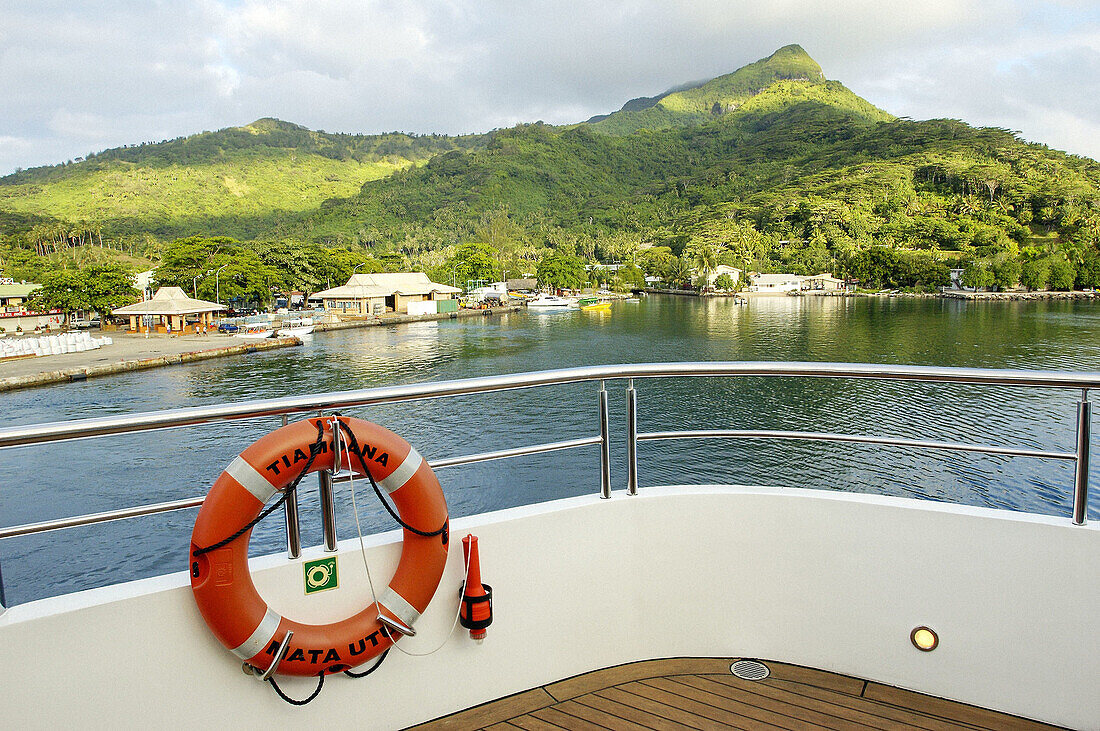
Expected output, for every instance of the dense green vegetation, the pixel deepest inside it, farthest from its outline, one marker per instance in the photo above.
(771, 168)
(237, 181)
(98, 287)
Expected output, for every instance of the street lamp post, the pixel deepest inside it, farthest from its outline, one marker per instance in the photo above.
(195, 285)
(218, 285)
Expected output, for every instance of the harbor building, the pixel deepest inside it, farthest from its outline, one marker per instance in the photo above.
(170, 310)
(822, 283)
(734, 272)
(409, 293)
(14, 315)
(775, 283)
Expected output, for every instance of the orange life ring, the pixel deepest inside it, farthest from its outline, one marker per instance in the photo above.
(223, 587)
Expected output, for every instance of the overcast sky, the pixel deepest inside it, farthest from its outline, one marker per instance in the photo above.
(80, 76)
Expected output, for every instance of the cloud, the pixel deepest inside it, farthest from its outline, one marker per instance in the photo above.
(97, 74)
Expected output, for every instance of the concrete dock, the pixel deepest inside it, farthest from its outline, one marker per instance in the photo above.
(135, 352)
(129, 352)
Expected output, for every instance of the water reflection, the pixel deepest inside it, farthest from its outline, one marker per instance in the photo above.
(88, 476)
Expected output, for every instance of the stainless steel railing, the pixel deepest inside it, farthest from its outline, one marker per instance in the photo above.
(20, 436)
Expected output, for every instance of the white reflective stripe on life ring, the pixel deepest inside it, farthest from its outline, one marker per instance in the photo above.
(405, 471)
(261, 636)
(250, 479)
(396, 605)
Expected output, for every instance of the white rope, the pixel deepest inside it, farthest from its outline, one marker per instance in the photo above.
(458, 613)
(370, 581)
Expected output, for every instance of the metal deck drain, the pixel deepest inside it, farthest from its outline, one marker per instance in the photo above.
(750, 670)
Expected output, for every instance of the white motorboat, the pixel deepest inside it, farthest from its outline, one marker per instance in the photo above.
(296, 327)
(553, 302)
(255, 331)
(699, 605)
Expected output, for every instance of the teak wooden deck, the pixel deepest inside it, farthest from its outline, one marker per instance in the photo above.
(700, 693)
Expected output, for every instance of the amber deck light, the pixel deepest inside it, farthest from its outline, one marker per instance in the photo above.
(924, 639)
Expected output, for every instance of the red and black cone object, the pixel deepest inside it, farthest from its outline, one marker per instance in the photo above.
(477, 598)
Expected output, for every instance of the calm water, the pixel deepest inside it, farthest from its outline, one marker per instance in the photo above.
(88, 476)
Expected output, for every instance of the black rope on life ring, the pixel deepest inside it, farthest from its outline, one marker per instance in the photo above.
(353, 446)
(372, 668)
(314, 450)
(291, 701)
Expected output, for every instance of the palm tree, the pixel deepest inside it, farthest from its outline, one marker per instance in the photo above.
(704, 256)
(679, 272)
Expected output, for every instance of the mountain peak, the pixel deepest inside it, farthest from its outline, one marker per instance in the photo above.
(698, 102)
(271, 124)
(795, 57)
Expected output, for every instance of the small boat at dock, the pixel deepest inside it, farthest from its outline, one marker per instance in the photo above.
(595, 304)
(296, 327)
(552, 302)
(254, 331)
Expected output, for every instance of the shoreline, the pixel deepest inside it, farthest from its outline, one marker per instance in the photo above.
(152, 357)
(950, 294)
(137, 352)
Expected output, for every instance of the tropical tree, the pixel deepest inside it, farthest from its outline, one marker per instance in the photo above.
(338, 265)
(1006, 273)
(108, 285)
(656, 260)
(560, 269)
(724, 283)
(1062, 274)
(62, 289)
(1035, 273)
(704, 256)
(977, 275)
(101, 287)
(678, 272)
(630, 277)
(471, 262)
(1088, 271)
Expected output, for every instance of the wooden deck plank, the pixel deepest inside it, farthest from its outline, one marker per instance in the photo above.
(815, 718)
(490, 713)
(810, 676)
(608, 677)
(695, 707)
(719, 700)
(698, 694)
(565, 720)
(840, 705)
(973, 715)
(642, 703)
(905, 717)
(630, 713)
(530, 723)
(600, 717)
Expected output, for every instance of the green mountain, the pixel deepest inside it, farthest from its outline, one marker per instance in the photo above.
(787, 76)
(772, 168)
(239, 180)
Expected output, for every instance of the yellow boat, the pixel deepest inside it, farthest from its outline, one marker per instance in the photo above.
(597, 307)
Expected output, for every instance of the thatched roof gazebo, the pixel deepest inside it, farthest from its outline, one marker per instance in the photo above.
(172, 306)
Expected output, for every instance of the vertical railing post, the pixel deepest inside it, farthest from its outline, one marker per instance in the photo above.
(605, 446)
(1081, 474)
(328, 508)
(631, 439)
(293, 530)
(3, 601)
